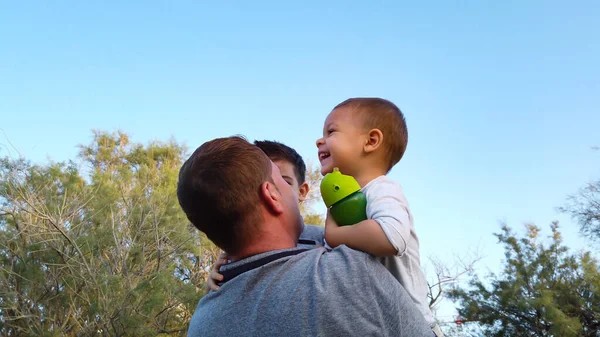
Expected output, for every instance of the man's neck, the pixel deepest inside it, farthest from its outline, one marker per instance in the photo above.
(267, 241)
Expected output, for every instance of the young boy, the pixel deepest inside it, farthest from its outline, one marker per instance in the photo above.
(365, 138)
(293, 171)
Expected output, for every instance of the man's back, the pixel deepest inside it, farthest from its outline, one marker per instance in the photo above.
(312, 293)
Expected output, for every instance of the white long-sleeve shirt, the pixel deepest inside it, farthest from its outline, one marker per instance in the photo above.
(387, 205)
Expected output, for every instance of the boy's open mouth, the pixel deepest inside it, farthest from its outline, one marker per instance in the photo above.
(323, 155)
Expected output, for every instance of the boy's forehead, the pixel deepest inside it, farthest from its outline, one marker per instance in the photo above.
(284, 166)
(342, 115)
(282, 163)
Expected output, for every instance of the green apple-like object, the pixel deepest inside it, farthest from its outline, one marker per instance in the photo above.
(341, 194)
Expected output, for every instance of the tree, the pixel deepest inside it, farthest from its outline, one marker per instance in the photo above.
(101, 248)
(447, 275)
(544, 290)
(584, 207)
(313, 178)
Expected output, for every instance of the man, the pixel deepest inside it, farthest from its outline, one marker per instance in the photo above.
(293, 171)
(230, 190)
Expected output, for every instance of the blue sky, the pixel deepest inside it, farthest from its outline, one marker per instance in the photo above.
(502, 99)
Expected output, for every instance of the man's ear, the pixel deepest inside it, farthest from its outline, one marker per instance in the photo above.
(373, 141)
(303, 191)
(271, 197)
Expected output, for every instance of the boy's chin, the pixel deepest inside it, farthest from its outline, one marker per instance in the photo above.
(325, 170)
(328, 165)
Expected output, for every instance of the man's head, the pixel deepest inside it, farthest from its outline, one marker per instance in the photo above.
(290, 163)
(231, 191)
(361, 128)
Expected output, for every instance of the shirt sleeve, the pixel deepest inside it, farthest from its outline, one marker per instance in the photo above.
(387, 205)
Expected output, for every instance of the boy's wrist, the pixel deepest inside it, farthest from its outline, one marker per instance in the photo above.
(338, 235)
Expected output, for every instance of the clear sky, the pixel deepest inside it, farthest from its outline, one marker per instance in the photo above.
(502, 99)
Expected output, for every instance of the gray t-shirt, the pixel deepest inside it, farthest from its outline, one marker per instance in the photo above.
(316, 292)
(311, 237)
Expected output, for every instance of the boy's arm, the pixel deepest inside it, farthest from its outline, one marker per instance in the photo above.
(366, 236)
(388, 229)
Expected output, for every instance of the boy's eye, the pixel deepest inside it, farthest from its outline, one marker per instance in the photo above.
(289, 182)
(330, 131)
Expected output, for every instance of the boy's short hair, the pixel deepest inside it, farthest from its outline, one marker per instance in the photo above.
(379, 113)
(219, 190)
(279, 151)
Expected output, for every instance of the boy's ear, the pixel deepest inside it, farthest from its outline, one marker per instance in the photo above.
(271, 197)
(303, 191)
(373, 141)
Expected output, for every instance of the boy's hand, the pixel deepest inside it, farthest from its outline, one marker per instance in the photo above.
(330, 222)
(214, 277)
(331, 228)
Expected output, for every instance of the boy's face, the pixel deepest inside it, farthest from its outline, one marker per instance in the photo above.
(288, 173)
(342, 143)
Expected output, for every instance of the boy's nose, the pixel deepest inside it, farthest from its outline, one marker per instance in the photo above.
(320, 142)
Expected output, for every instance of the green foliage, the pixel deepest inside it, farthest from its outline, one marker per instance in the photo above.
(101, 247)
(544, 290)
(313, 178)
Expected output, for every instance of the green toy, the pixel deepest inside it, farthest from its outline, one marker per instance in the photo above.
(341, 194)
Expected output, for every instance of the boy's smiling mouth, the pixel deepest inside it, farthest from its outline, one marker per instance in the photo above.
(323, 155)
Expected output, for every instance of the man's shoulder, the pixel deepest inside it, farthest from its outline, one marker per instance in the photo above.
(344, 283)
(311, 236)
(354, 261)
(328, 261)
(313, 229)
